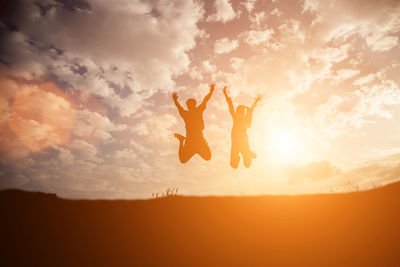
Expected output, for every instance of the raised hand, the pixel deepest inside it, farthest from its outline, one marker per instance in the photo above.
(258, 98)
(175, 95)
(229, 101)
(212, 87)
(224, 90)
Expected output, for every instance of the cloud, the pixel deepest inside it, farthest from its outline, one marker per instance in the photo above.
(208, 67)
(223, 11)
(11, 148)
(249, 5)
(316, 170)
(147, 42)
(345, 74)
(367, 78)
(292, 31)
(350, 113)
(378, 42)
(276, 12)
(376, 173)
(195, 73)
(42, 116)
(92, 125)
(236, 63)
(257, 37)
(257, 19)
(225, 45)
(84, 150)
(157, 127)
(375, 21)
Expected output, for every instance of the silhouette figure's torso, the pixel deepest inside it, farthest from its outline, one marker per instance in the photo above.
(239, 128)
(194, 122)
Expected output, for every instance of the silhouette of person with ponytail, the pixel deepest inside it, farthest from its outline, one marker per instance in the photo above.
(239, 139)
(194, 142)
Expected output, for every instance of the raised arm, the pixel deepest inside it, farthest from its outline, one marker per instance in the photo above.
(258, 98)
(249, 113)
(207, 97)
(180, 109)
(230, 104)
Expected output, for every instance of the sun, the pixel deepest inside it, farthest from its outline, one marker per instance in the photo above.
(284, 145)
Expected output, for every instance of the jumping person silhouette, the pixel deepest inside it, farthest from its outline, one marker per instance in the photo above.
(241, 122)
(194, 142)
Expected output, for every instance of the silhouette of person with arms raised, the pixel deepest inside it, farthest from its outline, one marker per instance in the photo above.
(194, 142)
(241, 122)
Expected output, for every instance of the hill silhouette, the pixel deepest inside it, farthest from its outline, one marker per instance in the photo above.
(352, 229)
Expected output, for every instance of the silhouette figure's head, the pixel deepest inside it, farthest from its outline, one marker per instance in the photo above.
(191, 104)
(240, 110)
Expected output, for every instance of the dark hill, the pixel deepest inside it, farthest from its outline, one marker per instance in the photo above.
(354, 229)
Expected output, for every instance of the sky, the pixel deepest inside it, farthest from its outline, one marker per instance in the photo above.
(86, 108)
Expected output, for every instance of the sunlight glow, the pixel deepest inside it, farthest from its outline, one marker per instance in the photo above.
(284, 145)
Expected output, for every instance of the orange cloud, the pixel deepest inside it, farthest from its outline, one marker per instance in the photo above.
(42, 116)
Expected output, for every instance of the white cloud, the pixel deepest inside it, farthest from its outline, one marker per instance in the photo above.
(257, 19)
(258, 37)
(376, 98)
(375, 21)
(276, 12)
(367, 79)
(357, 108)
(208, 67)
(249, 5)
(378, 42)
(85, 150)
(92, 125)
(225, 45)
(345, 74)
(195, 73)
(157, 127)
(236, 63)
(223, 11)
(311, 5)
(292, 31)
(331, 55)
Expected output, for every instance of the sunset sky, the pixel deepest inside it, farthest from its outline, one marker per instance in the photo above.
(86, 108)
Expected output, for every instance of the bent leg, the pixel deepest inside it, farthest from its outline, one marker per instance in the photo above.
(247, 154)
(235, 158)
(185, 154)
(247, 160)
(205, 151)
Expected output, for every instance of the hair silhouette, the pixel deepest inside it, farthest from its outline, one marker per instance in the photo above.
(242, 118)
(194, 142)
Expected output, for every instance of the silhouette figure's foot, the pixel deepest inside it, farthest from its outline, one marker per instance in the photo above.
(179, 137)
